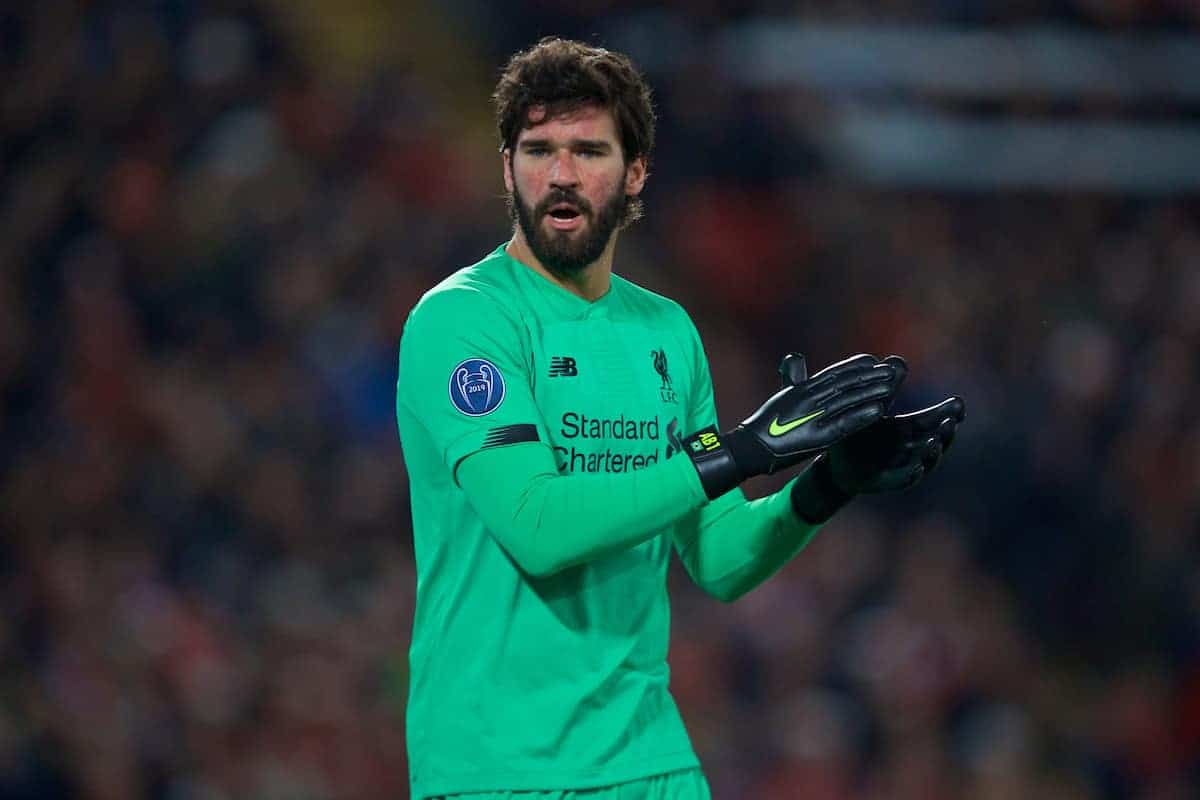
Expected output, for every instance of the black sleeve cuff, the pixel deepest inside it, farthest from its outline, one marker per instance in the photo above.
(815, 497)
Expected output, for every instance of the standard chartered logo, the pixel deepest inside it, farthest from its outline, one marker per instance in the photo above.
(581, 426)
(606, 444)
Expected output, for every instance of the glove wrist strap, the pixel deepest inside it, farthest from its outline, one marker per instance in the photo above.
(714, 462)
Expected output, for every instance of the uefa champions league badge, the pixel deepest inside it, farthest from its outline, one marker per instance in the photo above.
(476, 387)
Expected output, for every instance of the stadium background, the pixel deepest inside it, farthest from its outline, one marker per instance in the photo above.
(214, 218)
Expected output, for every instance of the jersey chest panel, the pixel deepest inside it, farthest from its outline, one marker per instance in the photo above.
(611, 394)
(608, 408)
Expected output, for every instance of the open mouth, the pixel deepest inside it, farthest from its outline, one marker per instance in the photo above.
(564, 212)
(564, 216)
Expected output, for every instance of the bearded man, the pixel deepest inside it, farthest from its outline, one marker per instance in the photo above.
(561, 440)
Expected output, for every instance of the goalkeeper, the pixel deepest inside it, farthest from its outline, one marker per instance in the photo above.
(560, 437)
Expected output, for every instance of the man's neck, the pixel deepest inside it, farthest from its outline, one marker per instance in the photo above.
(591, 283)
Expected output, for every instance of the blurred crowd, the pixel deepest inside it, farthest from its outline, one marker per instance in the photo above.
(214, 218)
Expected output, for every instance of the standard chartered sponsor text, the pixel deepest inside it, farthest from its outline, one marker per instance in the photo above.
(581, 426)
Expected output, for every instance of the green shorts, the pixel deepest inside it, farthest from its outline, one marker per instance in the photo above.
(688, 784)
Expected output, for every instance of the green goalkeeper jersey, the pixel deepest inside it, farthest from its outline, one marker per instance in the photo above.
(561, 681)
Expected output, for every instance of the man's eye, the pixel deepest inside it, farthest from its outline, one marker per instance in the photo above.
(590, 153)
(536, 151)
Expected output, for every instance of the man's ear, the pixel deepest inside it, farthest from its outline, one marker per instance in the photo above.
(635, 176)
(506, 156)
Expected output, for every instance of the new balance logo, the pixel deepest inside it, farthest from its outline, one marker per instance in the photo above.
(563, 367)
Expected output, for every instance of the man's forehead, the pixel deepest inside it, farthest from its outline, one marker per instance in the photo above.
(588, 121)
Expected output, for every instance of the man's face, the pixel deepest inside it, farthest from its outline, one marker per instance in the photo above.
(569, 180)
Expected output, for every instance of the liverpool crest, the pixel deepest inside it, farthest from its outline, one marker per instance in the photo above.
(666, 390)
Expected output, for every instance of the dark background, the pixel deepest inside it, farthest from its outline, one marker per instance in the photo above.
(215, 216)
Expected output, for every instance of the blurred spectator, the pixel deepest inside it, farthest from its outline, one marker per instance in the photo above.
(214, 219)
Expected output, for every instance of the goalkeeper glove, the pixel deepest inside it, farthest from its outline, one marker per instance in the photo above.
(895, 453)
(802, 419)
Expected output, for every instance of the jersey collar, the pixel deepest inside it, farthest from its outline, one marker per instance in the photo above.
(557, 300)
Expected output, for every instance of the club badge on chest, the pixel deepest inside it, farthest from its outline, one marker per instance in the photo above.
(667, 389)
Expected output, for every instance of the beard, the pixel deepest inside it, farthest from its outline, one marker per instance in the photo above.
(558, 252)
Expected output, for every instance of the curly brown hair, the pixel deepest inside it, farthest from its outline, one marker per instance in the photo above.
(563, 75)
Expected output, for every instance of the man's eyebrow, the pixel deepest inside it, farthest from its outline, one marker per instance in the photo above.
(592, 144)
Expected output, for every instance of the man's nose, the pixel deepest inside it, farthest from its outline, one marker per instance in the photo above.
(562, 172)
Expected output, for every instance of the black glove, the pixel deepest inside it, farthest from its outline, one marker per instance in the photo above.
(894, 453)
(802, 419)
